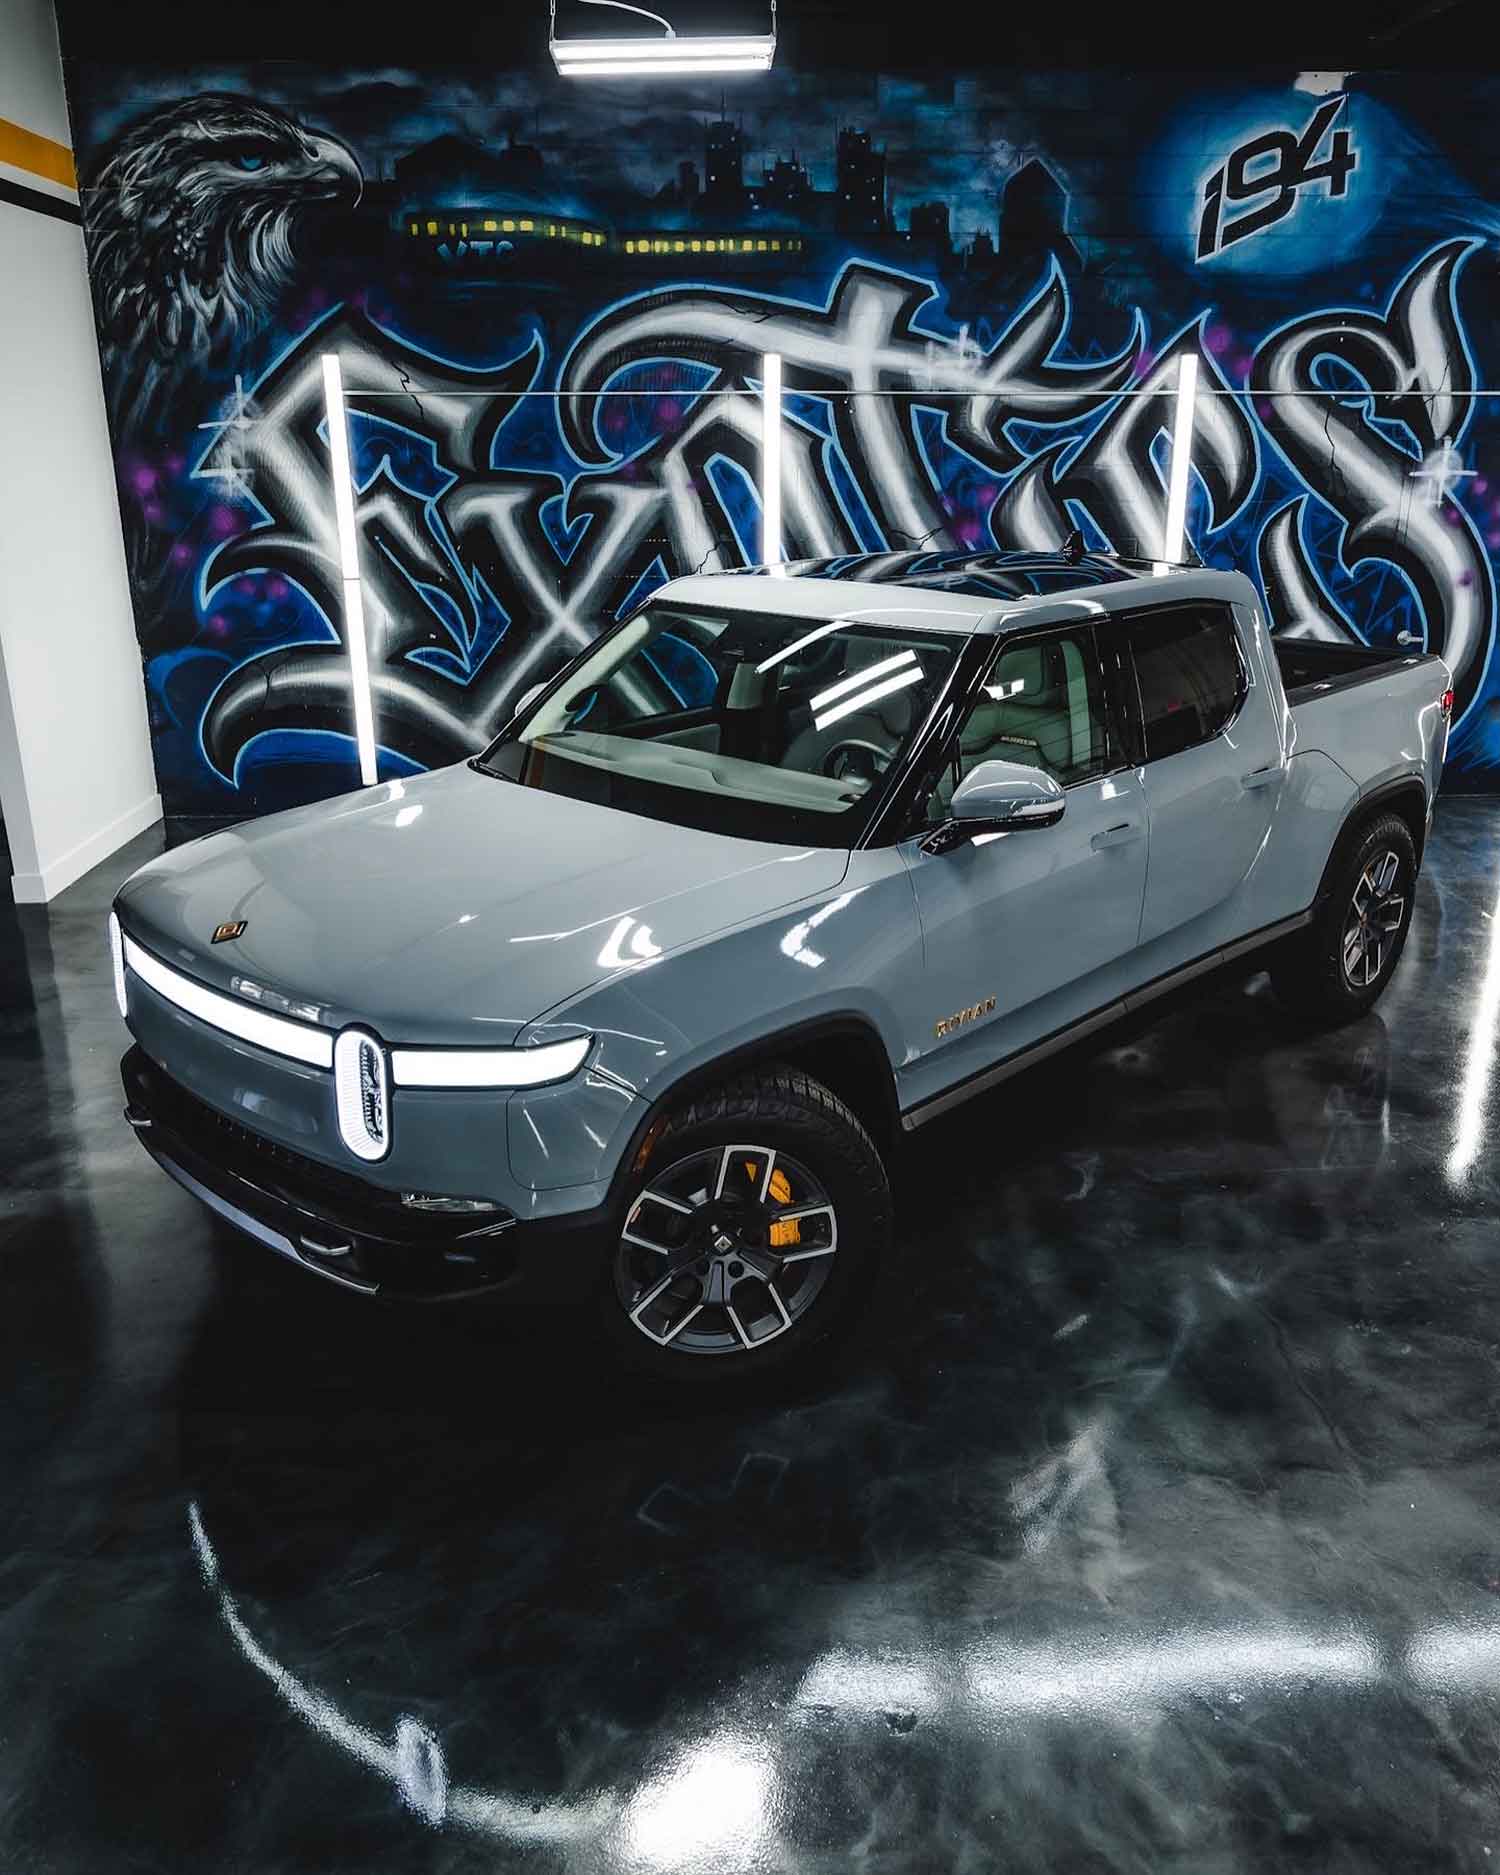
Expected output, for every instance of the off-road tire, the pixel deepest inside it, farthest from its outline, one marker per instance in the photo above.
(786, 1111)
(1310, 973)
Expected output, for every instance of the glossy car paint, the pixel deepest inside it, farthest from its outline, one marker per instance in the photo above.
(451, 909)
(1034, 919)
(1211, 807)
(462, 910)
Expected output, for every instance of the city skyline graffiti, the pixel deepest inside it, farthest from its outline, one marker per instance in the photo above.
(543, 434)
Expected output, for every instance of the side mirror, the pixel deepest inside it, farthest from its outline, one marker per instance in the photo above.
(527, 698)
(999, 797)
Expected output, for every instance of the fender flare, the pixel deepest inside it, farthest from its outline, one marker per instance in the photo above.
(785, 1044)
(1363, 809)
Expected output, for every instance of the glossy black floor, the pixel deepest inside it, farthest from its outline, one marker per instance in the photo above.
(1153, 1521)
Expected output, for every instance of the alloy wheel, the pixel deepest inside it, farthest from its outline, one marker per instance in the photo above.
(725, 1250)
(1374, 921)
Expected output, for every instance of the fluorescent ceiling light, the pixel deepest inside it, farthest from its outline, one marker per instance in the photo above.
(862, 677)
(672, 53)
(1182, 455)
(758, 50)
(1322, 84)
(862, 698)
(800, 644)
(641, 68)
(354, 605)
(770, 460)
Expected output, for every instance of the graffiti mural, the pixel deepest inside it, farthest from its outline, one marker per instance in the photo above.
(551, 312)
(1296, 164)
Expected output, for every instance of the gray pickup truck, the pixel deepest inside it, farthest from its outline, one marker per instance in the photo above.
(629, 1005)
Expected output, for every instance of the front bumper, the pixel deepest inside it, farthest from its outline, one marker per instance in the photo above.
(353, 1233)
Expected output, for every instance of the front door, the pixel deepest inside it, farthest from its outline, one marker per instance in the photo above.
(1018, 927)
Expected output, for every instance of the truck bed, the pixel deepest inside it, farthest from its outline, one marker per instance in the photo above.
(1311, 669)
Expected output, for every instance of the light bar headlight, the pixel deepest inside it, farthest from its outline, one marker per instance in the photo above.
(273, 1033)
(489, 1067)
(117, 962)
(360, 1094)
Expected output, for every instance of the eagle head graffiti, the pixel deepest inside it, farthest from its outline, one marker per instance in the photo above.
(191, 213)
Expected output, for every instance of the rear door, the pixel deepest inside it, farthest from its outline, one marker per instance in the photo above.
(1212, 766)
(1017, 926)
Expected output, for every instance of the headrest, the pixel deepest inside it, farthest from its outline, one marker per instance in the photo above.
(1027, 664)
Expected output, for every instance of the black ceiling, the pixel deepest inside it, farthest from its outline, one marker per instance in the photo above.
(872, 35)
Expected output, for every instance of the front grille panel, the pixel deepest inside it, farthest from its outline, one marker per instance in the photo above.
(262, 1161)
(337, 1224)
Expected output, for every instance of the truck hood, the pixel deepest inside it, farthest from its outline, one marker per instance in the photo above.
(454, 908)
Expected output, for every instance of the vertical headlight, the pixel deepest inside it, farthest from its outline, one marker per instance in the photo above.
(361, 1091)
(117, 960)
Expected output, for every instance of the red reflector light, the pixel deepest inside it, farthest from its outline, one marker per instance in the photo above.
(1445, 703)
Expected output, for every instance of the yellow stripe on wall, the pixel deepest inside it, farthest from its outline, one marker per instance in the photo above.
(24, 149)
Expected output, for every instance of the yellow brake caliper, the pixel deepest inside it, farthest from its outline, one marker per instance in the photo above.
(784, 1231)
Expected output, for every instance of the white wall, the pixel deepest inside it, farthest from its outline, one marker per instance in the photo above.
(76, 779)
(31, 92)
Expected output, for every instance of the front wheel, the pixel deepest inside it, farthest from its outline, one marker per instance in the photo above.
(752, 1232)
(1335, 970)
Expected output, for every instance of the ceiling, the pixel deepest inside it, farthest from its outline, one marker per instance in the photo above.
(872, 35)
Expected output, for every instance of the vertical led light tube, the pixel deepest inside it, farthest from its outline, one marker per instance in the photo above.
(770, 459)
(1182, 456)
(354, 605)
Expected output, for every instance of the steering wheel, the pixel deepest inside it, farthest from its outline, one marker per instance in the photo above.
(856, 760)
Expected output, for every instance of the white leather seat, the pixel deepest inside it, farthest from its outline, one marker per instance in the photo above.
(1036, 710)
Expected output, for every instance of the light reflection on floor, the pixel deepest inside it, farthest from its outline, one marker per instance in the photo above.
(1151, 1523)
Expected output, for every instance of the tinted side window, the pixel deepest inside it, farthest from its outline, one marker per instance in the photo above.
(1191, 680)
(1041, 704)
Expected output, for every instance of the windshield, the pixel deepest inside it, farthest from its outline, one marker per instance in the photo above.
(765, 728)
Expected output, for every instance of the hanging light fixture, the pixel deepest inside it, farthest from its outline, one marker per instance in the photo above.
(676, 53)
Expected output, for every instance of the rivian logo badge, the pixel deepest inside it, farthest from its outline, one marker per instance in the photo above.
(360, 1086)
(224, 932)
(971, 1014)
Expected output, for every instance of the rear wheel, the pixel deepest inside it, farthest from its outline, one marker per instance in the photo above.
(752, 1233)
(1338, 968)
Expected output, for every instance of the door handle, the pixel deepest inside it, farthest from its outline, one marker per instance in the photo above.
(1120, 835)
(1262, 777)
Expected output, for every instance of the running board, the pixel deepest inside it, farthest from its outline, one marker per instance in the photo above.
(1059, 1039)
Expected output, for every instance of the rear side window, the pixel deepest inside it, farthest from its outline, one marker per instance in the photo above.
(1190, 675)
